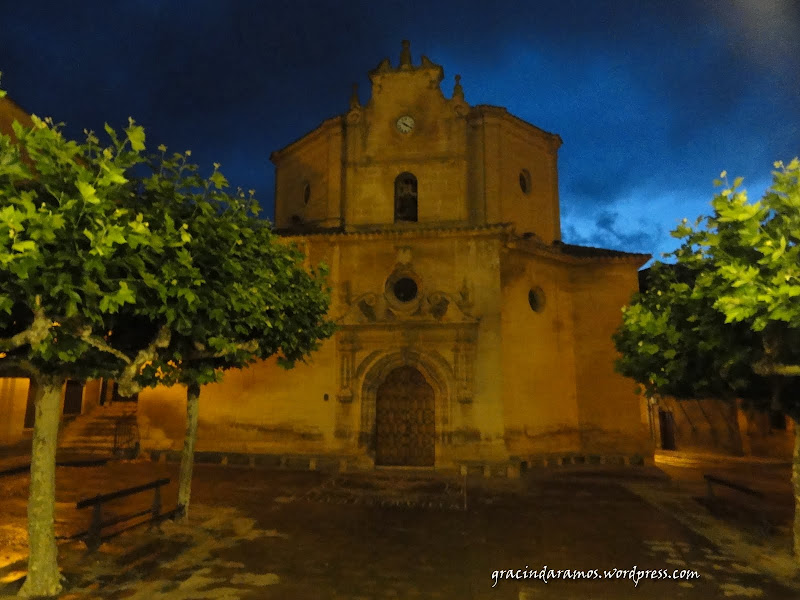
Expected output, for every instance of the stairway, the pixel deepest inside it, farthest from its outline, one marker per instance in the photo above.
(93, 433)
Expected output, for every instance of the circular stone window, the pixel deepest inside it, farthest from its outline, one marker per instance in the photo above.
(525, 181)
(405, 289)
(536, 299)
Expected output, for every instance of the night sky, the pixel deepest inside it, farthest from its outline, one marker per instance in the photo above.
(652, 99)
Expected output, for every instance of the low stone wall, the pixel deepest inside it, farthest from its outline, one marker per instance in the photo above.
(341, 463)
(561, 460)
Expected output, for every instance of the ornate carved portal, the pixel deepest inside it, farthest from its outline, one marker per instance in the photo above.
(405, 425)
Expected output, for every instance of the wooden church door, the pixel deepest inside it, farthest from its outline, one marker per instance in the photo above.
(404, 413)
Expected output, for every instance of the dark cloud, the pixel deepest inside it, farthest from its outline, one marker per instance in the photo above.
(606, 231)
(652, 99)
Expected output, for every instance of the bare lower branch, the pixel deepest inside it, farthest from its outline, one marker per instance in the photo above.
(127, 385)
(201, 353)
(99, 343)
(766, 368)
(36, 333)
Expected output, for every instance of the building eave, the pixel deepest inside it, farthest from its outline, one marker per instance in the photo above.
(575, 254)
(307, 138)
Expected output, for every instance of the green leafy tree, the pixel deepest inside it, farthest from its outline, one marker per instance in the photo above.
(257, 298)
(726, 320)
(674, 344)
(145, 280)
(78, 259)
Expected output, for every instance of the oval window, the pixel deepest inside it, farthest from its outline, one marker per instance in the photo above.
(405, 289)
(536, 299)
(525, 181)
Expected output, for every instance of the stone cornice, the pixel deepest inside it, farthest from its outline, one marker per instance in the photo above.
(391, 233)
(558, 251)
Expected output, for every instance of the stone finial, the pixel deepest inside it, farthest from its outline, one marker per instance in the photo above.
(354, 102)
(384, 66)
(405, 54)
(458, 91)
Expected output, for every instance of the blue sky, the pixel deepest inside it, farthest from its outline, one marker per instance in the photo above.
(652, 99)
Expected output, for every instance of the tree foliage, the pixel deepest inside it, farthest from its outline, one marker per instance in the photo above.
(674, 344)
(133, 267)
(724, 320)
(256, 298)
(78, 256)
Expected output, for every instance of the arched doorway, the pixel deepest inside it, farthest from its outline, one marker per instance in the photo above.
(405, 430)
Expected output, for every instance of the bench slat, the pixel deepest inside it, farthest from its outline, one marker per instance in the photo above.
(121, 493)
(733, 485)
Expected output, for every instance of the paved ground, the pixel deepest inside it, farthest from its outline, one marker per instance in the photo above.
(280, 535)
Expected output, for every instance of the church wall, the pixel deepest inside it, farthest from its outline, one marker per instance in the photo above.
(435, 152)
(263, 408)
(415, 93)
(612, 415)
(316, 161)
(502, 149)
(13, 400)
(541, 412)
(474, 427)
(483, 271)
(441, 191)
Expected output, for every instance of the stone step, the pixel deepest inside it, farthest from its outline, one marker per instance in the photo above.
(95, 439)
(90, 429)
(87, 442)
(89, 451)
(93, 433)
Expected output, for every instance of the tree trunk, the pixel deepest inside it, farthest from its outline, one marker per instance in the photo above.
(187, 456)
(43, 577)
(796, 487)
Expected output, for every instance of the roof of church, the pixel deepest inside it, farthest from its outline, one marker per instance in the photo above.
(10, 111)
(592, 252)
(385, 67)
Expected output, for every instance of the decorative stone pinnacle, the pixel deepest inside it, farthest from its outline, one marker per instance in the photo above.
(354, 102)
(405, 54)
(458, 91)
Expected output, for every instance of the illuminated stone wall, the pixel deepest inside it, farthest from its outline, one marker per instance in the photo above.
(509, 380)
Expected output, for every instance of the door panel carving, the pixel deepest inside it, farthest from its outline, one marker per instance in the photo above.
(405, 426)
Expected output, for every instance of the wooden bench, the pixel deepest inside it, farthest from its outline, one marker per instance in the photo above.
(93, 537)
(711, 480)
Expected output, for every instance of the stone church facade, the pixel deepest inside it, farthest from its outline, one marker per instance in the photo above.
(468, 332)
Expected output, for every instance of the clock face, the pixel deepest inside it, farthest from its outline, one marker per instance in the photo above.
(405, 124)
